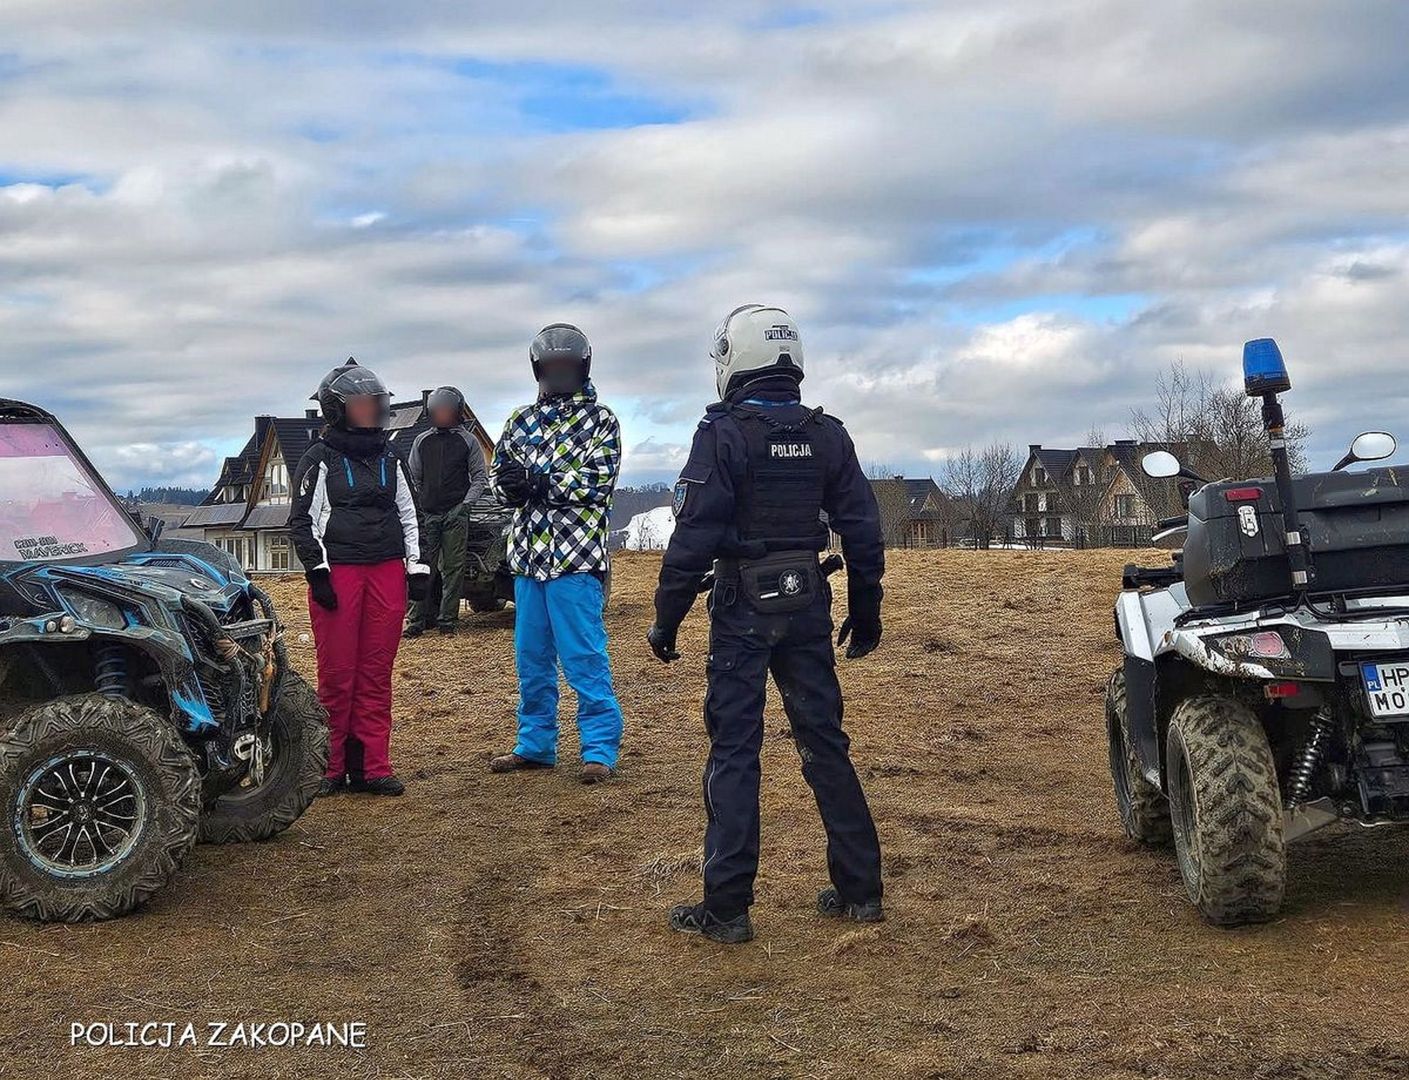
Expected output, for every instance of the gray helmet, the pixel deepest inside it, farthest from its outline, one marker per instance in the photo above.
(346, 381)
(561, 341)
(447, 397)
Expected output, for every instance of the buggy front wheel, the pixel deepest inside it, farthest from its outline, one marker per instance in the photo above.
(296, 752)
(101, 799)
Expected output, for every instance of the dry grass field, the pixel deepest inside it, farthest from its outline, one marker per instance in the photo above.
(515, 926)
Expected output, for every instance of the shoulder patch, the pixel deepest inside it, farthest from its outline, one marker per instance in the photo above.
(682, 489)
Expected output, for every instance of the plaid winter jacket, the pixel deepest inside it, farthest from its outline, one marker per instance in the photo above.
(576, 443)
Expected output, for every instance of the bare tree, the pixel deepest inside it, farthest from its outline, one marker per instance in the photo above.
(980, 482)
(892, 500)
(647, 538)
(1221, 427)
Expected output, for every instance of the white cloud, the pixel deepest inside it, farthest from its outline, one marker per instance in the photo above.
(993, 220)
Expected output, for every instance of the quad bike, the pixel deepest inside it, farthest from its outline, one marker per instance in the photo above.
(489, 584)
(146, 701)
(1265, 687)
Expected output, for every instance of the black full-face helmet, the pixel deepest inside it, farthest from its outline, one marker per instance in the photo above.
(447, 397)
(561, 357)
(348, 381)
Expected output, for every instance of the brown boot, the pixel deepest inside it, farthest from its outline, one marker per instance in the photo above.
(594, 772)
(515, 763)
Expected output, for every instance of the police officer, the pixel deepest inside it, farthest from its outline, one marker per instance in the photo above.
(748, 506)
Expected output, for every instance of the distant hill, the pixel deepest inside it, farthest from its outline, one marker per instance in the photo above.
(630, 501)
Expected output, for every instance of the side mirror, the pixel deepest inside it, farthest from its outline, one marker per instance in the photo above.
(1160, 465)
(1368, 446)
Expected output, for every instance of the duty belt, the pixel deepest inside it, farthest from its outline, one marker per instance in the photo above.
(727, 570)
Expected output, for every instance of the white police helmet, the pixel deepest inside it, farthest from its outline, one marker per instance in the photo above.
(754, 342)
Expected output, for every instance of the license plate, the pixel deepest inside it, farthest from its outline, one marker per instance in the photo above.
(1387, 687)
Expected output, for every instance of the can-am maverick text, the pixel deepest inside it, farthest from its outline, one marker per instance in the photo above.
(1265, 687)
(145, 698)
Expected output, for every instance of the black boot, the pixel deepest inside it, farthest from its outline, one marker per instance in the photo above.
(328, 787)
(695, 919)
(382, 785)
(830, 904)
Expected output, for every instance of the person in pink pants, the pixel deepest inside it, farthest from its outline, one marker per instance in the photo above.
(354, 526)
(356, 643)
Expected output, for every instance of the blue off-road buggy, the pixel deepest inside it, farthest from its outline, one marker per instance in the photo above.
(145, 698)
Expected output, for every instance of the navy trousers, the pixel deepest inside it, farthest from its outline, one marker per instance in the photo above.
(745, 646)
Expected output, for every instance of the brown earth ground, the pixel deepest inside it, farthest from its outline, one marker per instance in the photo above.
(515, 926)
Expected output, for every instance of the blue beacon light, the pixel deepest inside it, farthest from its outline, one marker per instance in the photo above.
(1264, 370)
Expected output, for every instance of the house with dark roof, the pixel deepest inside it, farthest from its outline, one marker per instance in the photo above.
(914, 511)
(1091, 495)
(247, 511)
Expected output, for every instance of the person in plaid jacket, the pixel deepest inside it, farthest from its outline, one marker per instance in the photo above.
(557, 464)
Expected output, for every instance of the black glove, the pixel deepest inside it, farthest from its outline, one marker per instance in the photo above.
(417, 585)
(662, 643)
(320, 587)
(538, 485)
(862, 623)
(513, 482)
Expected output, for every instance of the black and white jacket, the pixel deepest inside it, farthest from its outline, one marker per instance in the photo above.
(353, 503)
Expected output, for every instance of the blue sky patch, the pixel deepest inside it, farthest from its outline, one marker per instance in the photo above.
(564, 97)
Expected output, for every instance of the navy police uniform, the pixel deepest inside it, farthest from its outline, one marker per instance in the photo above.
(762, 470)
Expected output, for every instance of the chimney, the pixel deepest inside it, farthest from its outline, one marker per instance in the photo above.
(312, 414)
(1032, 448)
(426, 398)
(262, 424)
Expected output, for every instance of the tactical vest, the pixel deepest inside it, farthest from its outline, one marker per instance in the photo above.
(780, 499)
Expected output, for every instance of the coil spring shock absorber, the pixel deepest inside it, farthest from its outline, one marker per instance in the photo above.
(110, 671)
(1308, 758)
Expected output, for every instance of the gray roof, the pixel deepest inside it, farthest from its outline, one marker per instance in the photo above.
(272, 516)
(215, 514)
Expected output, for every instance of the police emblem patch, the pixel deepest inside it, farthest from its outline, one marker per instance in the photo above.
(678, 502)
(790, 584)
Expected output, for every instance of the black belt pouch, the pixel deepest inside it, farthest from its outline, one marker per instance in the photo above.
(781, 582)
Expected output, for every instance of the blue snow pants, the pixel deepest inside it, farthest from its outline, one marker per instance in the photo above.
(561, 621)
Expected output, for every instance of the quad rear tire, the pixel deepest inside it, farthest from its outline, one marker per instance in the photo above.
(1226, 810)
(298, 761)
(1141, 806)
(100, 801)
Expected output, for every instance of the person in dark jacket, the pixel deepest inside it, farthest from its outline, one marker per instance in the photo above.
(447, 469)
(354, 526)
(762, 471)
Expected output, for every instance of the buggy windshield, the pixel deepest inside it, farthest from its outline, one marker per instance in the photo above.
(52, 506)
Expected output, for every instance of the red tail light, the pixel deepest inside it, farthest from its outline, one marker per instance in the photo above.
(1243, 494)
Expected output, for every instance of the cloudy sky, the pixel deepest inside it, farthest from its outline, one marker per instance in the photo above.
(991, 219)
